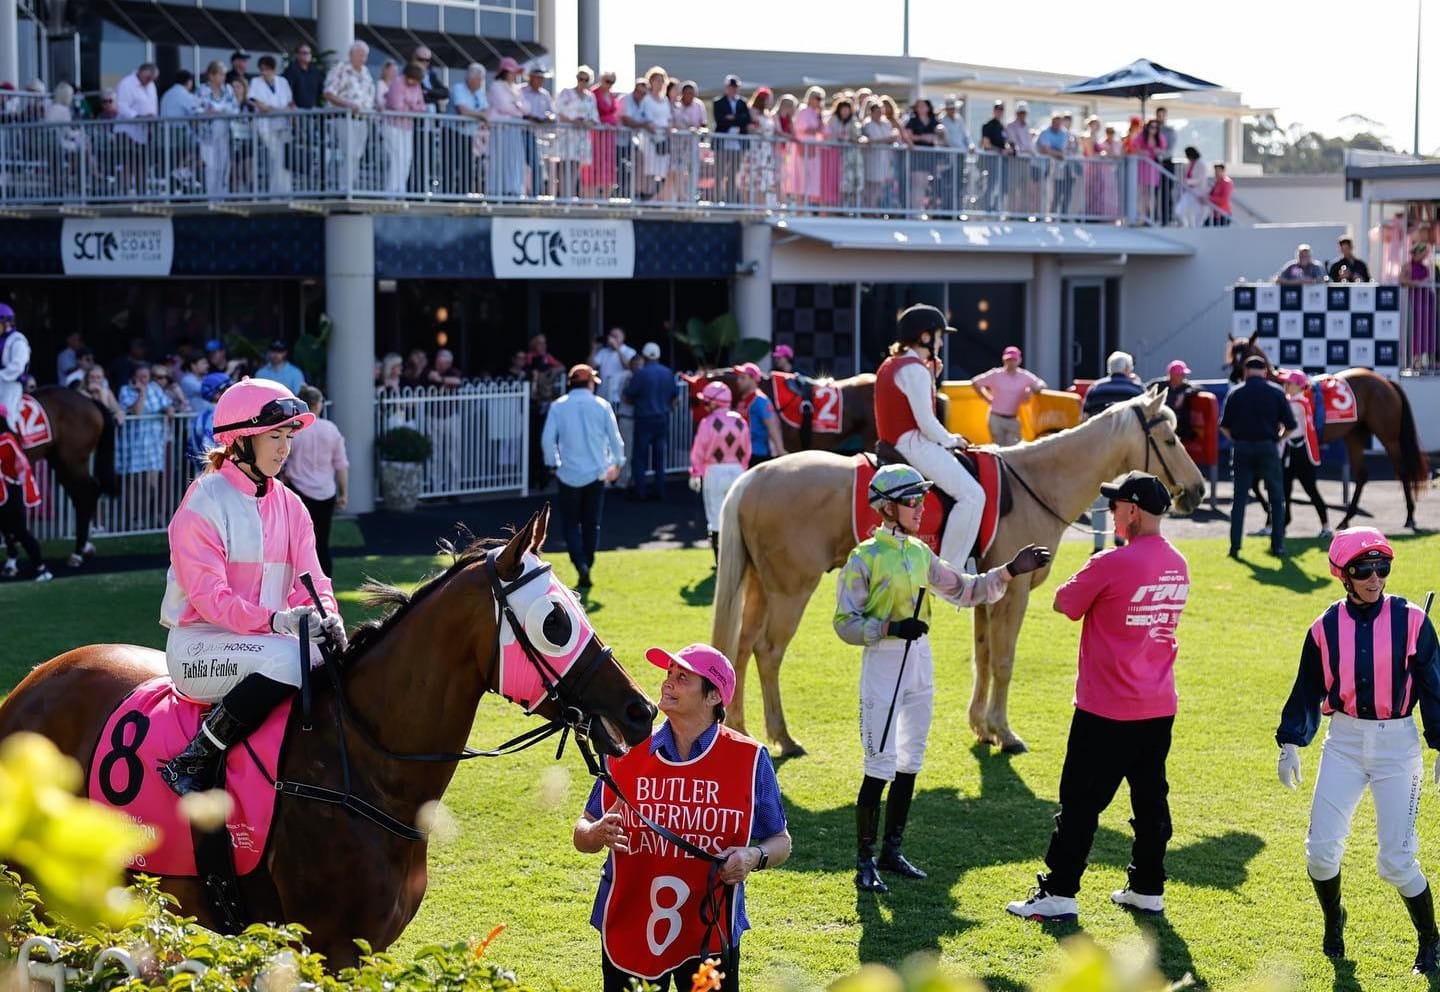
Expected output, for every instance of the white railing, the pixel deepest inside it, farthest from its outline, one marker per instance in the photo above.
(480, 434)
(335, 155)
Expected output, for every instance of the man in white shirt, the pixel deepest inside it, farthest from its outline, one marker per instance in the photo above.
(539, 110)
(955, 133)
(135, 99)
(349, 86)
(611, 359)
(271, 95)
(1029, 174)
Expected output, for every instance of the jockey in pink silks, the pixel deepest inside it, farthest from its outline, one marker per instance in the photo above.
(719, 454)
(233, 598)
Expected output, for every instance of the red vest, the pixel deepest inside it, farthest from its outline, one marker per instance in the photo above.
(893, 416)
(651, 923)
(1312, 437)
(15, 471)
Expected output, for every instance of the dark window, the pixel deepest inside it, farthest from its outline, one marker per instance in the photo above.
(524, 27)
(385, 13)
(880, 304)
(493, 25)
(422, 16)
(987, 317)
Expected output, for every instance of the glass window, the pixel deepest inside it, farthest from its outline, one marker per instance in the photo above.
(265, 6)
(493, 25)
(524, 27)
(524, 4)
(422, 16)
(120, 53)
(386, 13)
(987, 317)
(880, 304)
(360, 12)
(458, 20)
(303, 9)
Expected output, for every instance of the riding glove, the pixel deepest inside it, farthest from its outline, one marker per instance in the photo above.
(1028, 559)
(909, 629)
(288, 622)
(696, 483)
(1288, 767)
(334, 630)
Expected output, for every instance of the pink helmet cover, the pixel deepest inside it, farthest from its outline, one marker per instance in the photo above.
(716, 394)
(246, 401)
(1353, 542)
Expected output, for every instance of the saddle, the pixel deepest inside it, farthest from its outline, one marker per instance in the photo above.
(986, 467)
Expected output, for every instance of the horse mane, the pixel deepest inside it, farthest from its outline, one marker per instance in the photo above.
(400, 603)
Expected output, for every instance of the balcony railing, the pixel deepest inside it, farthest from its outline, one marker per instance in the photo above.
(332, 155)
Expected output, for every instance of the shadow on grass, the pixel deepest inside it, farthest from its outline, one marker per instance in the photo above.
(700, 593)
(1281, 572)
(1006, 824)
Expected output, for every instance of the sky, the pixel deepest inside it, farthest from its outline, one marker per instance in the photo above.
(1316, 62)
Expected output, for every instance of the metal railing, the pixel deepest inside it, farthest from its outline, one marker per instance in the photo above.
(332, 154)
(479, 433)
(1421, 345)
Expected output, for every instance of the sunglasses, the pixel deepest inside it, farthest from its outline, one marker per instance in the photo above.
(912, 501)
(1365, 569)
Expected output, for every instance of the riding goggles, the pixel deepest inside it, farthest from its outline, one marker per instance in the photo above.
(1365, 569)
(911, 501)
(275, 413)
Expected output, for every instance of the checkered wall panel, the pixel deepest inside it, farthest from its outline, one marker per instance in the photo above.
(1322, 327)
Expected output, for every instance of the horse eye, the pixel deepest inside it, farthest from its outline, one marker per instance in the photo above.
(556, 627)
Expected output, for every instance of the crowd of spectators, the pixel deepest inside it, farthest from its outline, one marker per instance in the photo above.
(517, 133)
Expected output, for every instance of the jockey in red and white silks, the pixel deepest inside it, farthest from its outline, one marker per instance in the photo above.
(905, 418)
(14, 361)
(233, 598)
(1367, 661)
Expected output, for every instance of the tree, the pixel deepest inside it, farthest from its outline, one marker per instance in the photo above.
(1295, 151)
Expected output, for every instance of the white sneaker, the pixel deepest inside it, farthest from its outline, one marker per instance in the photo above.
(11, 569)
(1145, 904)
(1260, 532)
(44, 575)
(1042, 907)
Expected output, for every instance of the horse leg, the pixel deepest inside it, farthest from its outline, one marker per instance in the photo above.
(1392, 449)
(780, 625)
(1355, 451)
(980, 692)
(85, 497)
(752, 623)
(1005, 618)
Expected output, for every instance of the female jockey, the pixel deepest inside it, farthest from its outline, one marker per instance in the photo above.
(1367, 661)
(880, 605)
(1302, 448)
(719, 454)
(905, 418)
(233, 598)
(19, 492)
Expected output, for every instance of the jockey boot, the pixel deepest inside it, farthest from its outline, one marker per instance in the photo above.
(1422, 914)
(897, 811)
(715, 546)
(196, 768)
(867, 876)
(1328, 892)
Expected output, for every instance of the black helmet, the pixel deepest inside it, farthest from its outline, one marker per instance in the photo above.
(916, 321)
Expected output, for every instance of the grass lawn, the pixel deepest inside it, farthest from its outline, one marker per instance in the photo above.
(1240, 907)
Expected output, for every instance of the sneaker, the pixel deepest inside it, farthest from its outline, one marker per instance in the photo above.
(44, 575)
(1261, 531)
(1134, 900)
(1042, 907)
(11, 569)
(1326, 533)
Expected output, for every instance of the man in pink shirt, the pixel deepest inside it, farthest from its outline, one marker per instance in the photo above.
(1005, 388)
(1130, 599)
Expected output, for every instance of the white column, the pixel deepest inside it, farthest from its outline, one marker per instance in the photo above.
(1045, 336)
(753, 304)
(587, 30)
(546, 28)
(350, 359)
(10, 44)
(335, 27)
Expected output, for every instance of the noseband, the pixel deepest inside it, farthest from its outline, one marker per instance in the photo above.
(1148, 426)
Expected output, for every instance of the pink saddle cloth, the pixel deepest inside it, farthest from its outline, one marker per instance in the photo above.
(150, 727)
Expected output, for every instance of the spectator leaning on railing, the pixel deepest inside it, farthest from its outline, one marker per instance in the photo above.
(469, 102)
(135, 100)
(349, 87)
(305, 79)
(1301, 269)
(271, 96)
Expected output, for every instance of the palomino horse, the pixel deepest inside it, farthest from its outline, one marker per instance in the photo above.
(413, 681)
(1382, 411)
(78, 427)
(856, 397)
(787, 522)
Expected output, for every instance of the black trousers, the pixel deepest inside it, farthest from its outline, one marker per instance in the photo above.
(579, 508)
(322, 513)
(1299, 466)
(619, 981)
(1100, 755)
(14, 528)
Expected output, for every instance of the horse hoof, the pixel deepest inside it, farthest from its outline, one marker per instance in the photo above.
(1014, 746)
(792, 750)
(985, 742)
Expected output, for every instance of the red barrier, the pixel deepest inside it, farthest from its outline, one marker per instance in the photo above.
(1082, 386)
(1204, 444)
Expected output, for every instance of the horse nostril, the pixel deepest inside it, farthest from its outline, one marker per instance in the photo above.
(641, 713)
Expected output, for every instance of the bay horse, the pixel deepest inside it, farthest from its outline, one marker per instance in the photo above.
(787, 522)
(413, 681)
(79, 427)
(1382, 411)
(857, 410)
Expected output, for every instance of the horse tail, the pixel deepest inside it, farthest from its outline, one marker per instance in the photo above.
(105, 453)
(1414, 465)
(731, 571)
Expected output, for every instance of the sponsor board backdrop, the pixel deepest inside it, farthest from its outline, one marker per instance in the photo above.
(553, 248)
(1322, 327)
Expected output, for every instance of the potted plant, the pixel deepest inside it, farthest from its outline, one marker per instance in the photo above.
(403, 452)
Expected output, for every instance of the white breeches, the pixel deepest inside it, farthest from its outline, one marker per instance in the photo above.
(717, 482)
(1385, 755)
(206, 662)
(904, 748)
(940, 467)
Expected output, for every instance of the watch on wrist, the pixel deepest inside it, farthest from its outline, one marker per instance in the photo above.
(764, 858)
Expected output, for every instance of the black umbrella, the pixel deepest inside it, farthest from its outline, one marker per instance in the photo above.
(1141, 78)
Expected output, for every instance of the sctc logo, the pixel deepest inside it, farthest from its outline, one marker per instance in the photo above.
(93, 246)
(539, 248)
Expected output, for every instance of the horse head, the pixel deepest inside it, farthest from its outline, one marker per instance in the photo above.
(1161, 452)
(1239, 349)
(549, 659)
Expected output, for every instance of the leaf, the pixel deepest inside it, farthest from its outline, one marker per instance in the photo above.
(749, 350)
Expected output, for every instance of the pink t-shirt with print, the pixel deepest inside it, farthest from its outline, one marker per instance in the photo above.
(1131, 599)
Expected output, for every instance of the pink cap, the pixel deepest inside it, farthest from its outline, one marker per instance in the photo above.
(716, 394)
(1010, 352)
(1356, 542)
(1177, 366)
(750, 369)
(1297, 377)
(783, 351)
(507, 64)
(704, 661)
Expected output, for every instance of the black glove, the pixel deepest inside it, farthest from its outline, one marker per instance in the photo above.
(909, 629)
(1028, 559)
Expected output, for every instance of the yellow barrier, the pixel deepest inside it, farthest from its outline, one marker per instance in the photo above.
(1050, 411)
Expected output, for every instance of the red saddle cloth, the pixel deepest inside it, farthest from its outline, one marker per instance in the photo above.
(150, 727)
(1339, 400)
(935, 511)
(828, 410)
(34, 424)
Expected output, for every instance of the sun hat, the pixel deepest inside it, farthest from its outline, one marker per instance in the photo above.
(581, 374)
(507, 64)
(703, 660)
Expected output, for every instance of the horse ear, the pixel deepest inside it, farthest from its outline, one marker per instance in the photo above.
(1253, 336)
(507, 563)
(541, 525)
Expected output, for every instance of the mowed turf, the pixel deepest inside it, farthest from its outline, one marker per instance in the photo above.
(1240, 907)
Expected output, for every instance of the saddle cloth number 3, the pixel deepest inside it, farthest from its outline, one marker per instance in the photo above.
(668, 915)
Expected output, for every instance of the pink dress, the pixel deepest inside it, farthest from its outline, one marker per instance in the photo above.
(810, 129)
(601, 171)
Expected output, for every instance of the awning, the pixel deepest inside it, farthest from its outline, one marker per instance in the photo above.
(979, 236)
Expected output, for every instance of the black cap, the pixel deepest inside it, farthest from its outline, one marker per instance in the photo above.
(1140, 488)
(918, 319)
(278, 345)
(1255, 362)
(238, 54)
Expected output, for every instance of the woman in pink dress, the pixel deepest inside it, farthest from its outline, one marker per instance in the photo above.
(599, 175)
(1149, 146)
(809, 132)
(792, 183)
